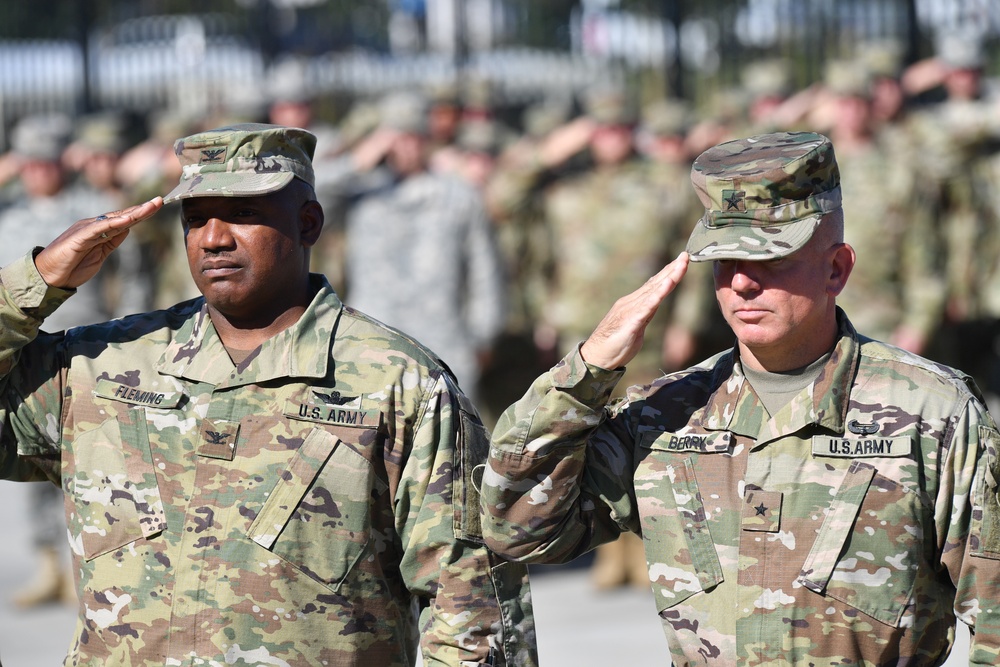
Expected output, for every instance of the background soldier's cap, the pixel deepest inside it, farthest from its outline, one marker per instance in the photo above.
(847, 77)
(42, 137)
(404, 111)
(243, 160)
(543, 117)
(767, 78)
(608, 103)
(666, 118)
(883, 58)
(479, 135)
(103, 132)
(763, 196)
(960, 49)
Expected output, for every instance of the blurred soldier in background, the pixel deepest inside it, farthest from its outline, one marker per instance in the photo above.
(883, 59)
(525, 243)
(958, 140)
(695, 324)
(896, 290)
(768, 84)
(101, 139)
(479, 143)
(420, 249)
(146, 170)
(612, 222)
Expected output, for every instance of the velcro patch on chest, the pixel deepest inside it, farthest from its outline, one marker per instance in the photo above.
(854, 448)
(331, 414)
(149, 396)
(689, 442)
(218, 439)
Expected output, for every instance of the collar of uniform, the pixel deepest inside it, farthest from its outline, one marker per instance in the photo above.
(196, 353)
(733, 407)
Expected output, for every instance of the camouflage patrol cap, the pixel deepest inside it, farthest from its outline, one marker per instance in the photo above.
(404, 111)
(763, 196)
(608, 103)
(103, 132)
(666, 118)
(42, 137)
(244, 160)
(767, 78)
(847, 77)
(960, 49)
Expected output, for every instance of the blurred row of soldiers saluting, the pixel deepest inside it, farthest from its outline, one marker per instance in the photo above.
(501, 244)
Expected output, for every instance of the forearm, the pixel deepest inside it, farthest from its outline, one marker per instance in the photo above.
(30, 388)
(480, 613)
(25, 301)
(475, 609)
(550, 491)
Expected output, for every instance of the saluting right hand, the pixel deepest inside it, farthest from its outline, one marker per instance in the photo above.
(618, 337)
(77, 254)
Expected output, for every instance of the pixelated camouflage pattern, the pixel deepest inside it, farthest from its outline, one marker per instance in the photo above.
(851, 528)
(310, 506)
(763, 195)
(242, 160)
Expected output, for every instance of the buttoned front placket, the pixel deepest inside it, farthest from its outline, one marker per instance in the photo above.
(225, 477)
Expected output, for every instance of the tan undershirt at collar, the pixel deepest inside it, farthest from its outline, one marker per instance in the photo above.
(776, 390)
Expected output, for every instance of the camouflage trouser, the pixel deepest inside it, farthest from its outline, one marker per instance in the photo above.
(45, 512)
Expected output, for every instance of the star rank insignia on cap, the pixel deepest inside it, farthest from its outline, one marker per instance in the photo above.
(735, 200)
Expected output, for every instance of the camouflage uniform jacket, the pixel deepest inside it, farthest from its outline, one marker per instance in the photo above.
(302, 508)
(848, 529)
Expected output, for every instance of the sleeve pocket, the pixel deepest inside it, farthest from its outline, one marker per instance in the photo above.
(986, 517)
(473, 449)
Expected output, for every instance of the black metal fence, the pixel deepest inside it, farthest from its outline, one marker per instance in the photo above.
(81, 55)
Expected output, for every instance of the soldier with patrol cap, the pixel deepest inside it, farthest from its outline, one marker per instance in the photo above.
(611, 225)
(810, 497)
(260, 475)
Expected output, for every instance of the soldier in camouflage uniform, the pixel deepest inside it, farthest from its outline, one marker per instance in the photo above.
(420, 250)
(958, 141)
(260, 475)
(896, 293)
(612, 224)
(811, 497)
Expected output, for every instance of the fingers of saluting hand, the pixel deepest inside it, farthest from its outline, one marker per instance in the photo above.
(663, 283)
(112, 224)
(618, 337)
(76, 255)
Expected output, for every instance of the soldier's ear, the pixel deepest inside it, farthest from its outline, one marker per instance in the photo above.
(310, 222)
(841, 264)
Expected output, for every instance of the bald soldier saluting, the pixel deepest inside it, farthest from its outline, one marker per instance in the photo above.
(262, 475)
(810, 497)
